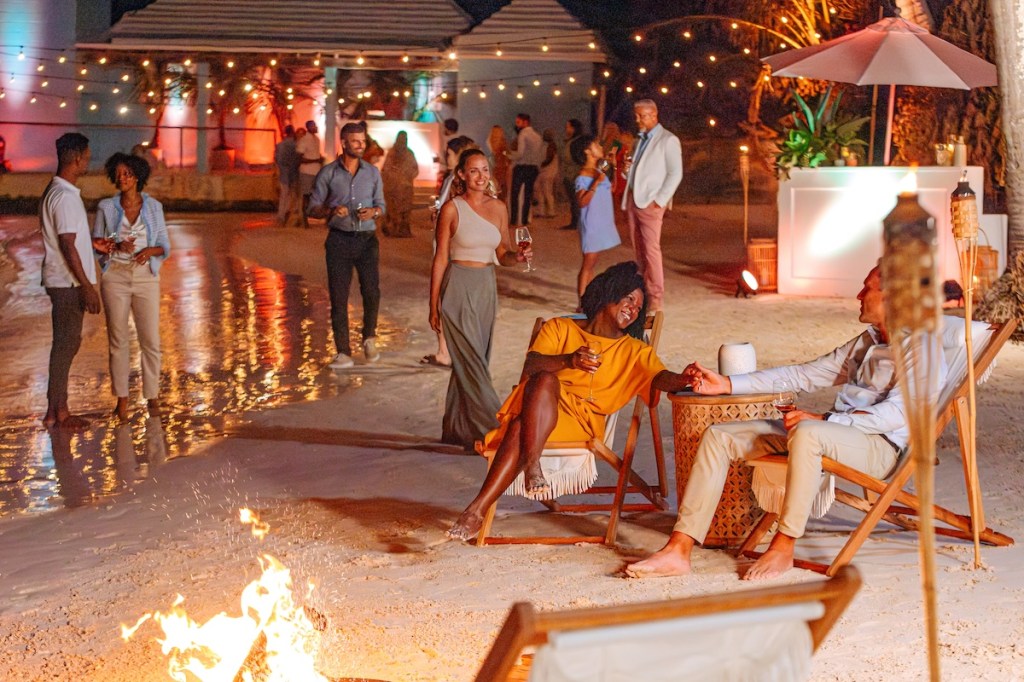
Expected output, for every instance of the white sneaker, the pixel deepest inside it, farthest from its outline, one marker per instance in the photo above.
(370, 349)
(342, 361)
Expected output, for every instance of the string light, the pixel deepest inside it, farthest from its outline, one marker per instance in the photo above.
(145, 62)
(33, 100)
(209, 85)
(220, 93)
(746, 50)
(558, 92)
(116, 90)
(607, 74)
(359, 60)
(406, 93)
(676, 64)
(642, 70)
(452, 55)
(483, 93)
(124, 78)
(519, 94)
(45, 83)
(544, 47)
(592, 45)
(273, 62)
(712, 58)
(209, 110)
(498, 52)
(80, 88)
(21, 54)
(536, 83)
(152, 110)
(501, 85)
(405, 59)
(572, 79)
(40, 67)
(593, 92)
(235, 110)
(62, 58)
(637, 37)
(664, 90)
(687, 35)
(712, 122)
(123, 110)
(784, 20)
(316, 61)
(63, 104)
(103, 60)
(247, 87)
(735, 26)
(93, 107)
(465, 90)
(83, 72)
(188, 62)
(732, 84)
(231, 64)
(629, 88)
(700, 84)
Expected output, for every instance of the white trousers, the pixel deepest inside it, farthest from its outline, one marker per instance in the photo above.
(132, 289)
(805, 444)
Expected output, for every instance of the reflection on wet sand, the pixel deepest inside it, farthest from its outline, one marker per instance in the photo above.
(235, 337)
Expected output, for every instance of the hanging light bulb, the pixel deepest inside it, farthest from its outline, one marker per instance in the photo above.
(501, 85)
(664, 90)
(63, 104)
(712, 58)
(593, 92)
(102, 60)
(572, 79)
(152, 110)
(273, 62)
(405, 59)
(359, 60)
(231, 64)
(746, 50)
(558, 92)
(45, 84)
(316, 60)
(607, 74)
(40, 67)
(712, 122)
(21, 55)
(406, 93)
(80, 88)
(93, 107)
(676, 64)
(498, 52)
(544, 46)
(592, 45)
(188, 62)
(637, 37)
(221, 93)
(395, 93)
(248, 87)
(629, 88)
(452, 55)
(61, 59)
(464, 89)
(642, 69)
(519, 94)
(687, 35)
(145, 62)
(83, 72)
(483, 93)
(536, 83)
(116, 90)
(123, 110)
(209, 110)
(33, 100)
(235, 110)
(209, 85)
(732, 84)
(700, 84)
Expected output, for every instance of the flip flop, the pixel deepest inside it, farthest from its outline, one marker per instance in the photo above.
(432, 360)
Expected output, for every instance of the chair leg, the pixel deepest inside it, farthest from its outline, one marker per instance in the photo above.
(871, 519)
(753, 538)
(659, 452)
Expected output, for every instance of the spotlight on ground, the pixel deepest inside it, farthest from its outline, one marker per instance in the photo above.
(746, 285)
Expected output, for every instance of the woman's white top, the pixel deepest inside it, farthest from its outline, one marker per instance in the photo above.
(127, 230)
(475, 238)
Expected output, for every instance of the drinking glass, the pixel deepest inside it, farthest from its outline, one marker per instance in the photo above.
(523, 240)
(627, 161)
(359, 220)
(783, 396)
(595, 355)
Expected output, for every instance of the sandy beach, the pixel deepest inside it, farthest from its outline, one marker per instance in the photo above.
(347, 470)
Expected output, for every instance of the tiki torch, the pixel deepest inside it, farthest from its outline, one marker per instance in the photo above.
(912, 319)
(964, 208)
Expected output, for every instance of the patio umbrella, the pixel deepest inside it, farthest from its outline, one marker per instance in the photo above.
(890, 52)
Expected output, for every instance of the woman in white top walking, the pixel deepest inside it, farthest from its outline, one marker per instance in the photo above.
(472, 236)
(134, 223)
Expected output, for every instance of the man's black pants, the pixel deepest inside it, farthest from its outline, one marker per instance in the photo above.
(523, 177)
(347, 251)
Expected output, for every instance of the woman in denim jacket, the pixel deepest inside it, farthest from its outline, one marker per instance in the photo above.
(134, 222)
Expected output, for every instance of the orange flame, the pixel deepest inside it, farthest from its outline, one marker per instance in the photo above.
(271, 626)
(259, 528)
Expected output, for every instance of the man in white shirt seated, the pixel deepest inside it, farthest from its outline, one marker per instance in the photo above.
(866, 430)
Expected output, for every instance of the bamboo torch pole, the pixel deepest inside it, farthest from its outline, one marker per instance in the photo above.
(912, 320)
(964, 209)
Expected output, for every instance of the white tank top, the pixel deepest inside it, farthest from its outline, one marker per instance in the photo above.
(475, 238)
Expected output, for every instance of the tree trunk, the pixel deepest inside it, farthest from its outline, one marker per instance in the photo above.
(1008, 24)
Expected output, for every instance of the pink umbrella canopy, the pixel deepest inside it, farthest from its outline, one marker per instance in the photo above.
(892, 51)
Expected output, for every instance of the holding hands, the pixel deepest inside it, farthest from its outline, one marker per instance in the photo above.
(705, 381)
(586, 359)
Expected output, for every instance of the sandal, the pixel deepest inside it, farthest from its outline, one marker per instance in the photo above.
(432, 360)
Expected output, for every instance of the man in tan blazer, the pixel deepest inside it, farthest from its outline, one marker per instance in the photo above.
(652, 176)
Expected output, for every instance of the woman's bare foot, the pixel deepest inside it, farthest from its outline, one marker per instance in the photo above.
(72, 422)
(121, 408)
(154, 407)
(536, 484)
(672, 559)
(467, 526)
(774, 562)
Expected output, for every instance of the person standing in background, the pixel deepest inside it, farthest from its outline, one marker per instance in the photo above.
(652, 175)
(307, 147)
(570, 171)
(527, 158)
(597, 217)
(349, 194)
(69, 271)
(286, 159)
(497, 143)
(545, 186)
(399, 173)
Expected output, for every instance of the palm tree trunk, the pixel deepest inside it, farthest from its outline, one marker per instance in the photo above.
(1007, 15)
(155, 142)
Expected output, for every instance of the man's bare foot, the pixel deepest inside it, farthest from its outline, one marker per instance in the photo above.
(536, 484)
(466, 527)
(121, 408)
(672, 559)
(774, 562)
(71, 422)
(154, 407)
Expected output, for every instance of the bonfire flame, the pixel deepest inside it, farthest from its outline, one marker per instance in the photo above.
(273, 640)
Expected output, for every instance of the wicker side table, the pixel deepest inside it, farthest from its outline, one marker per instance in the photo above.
(737, 511)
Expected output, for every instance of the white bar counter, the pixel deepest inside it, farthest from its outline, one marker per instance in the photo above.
(830, 223)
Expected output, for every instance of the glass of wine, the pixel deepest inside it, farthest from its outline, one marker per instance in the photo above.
(523, 240)
(783, 396)
(594, 353)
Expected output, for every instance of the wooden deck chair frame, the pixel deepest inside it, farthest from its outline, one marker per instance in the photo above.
(629, 482)
(886, 499)
(525, 626)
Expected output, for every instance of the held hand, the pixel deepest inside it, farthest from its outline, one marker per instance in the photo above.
(103, 245)
(90, 298)
(366, 213)
(794, 417)
(706, 382)
(524, 253)
(341, 211)
(584, 360)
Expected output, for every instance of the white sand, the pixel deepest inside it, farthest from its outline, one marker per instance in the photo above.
(364, 516)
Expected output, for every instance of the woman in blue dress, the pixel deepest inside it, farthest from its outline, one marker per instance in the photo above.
(597, 218)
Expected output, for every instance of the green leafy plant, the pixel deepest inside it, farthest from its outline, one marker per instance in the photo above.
(817, 134)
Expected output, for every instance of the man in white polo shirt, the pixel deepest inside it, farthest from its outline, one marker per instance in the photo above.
(69, 271)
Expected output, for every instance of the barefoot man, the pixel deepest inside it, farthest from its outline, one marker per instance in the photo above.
(866, 429)
(69, 271)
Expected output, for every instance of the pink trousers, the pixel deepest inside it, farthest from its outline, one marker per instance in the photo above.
(645, 231)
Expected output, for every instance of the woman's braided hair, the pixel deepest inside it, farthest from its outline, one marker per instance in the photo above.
(613, 285)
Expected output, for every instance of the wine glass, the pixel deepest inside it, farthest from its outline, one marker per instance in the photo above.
(523, 240)
(627, 162)
(359, 220)
(595, 356)
(783, 396)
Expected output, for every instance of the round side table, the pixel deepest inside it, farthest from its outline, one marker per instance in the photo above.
(692, 414)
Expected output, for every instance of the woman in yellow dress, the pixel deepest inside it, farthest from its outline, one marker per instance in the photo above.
(576, 374)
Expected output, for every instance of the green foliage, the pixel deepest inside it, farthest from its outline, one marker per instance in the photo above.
(817, 134)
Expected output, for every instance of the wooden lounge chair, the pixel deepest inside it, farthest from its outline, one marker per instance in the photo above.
(628, 481)
(772, 630)
(886, 499)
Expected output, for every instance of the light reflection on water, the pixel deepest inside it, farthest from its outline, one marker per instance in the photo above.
(235, 337)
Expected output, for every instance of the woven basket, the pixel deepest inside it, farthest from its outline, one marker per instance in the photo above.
(737, 512)
(763, 261)
(986, 272)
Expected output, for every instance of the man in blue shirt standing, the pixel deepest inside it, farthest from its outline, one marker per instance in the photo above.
(348, 193)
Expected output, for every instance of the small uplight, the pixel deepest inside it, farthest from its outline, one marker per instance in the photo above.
(746, 285)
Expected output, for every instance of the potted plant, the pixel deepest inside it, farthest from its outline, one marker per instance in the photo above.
(817, 135)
